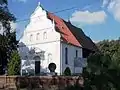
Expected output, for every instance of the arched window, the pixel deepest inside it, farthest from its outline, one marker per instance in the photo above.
(76, 53)
(44, 35)
(37, 36)
(49, 57)
(36, 58)
(31, 36)
(66, 55)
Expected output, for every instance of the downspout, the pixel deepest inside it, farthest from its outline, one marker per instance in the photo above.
(60, 57)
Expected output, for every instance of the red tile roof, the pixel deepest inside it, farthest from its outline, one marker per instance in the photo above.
(66, 34)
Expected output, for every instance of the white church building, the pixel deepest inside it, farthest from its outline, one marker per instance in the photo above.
(49, 39)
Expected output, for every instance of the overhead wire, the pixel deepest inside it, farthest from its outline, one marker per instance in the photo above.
(75, 7)
(44, 15)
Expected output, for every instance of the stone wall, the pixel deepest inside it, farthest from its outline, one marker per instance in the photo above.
(40, 82)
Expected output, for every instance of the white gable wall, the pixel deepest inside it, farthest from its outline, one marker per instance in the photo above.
(39, 23)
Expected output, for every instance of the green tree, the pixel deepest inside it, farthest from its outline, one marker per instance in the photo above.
(3, 53)
(96, 74)
(14, 64)
(103, 70)
(8, 41)
(109, 47)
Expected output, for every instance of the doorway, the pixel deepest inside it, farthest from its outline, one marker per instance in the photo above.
(37, 65)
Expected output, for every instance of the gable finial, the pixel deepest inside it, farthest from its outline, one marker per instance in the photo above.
(39, 3)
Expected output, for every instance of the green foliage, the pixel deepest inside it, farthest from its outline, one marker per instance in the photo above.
(3, 2)
(96, 73)
(67, 71)
(8, 41)
(103, 70)
(14, 64)
(109, 47)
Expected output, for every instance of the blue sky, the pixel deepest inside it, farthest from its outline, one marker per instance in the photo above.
(99, 19)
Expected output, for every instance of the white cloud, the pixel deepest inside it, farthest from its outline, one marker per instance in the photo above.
(114, 8)
(96, 41)
(87, 17)
(105, 3)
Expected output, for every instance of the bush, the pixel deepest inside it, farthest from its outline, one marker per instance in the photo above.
(67, 71)
(52, 67)
(14, 64)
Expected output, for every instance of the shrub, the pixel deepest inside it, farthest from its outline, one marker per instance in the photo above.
(52, 67)
(67, 71)
(14, 64)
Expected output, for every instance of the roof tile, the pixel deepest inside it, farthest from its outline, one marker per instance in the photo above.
(66, 34)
